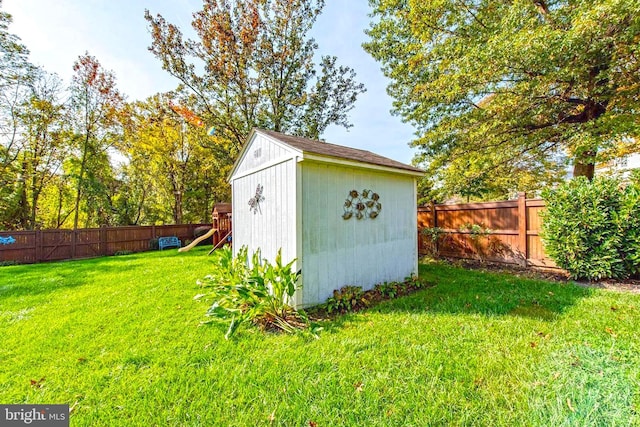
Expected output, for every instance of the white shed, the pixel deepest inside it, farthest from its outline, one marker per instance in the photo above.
(347, 215)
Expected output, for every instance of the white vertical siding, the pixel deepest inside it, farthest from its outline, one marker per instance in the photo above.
(274, 225)
(260, 150)
(337, 252)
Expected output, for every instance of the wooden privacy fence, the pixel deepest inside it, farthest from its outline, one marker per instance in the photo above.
(56, 245)
(514, 235)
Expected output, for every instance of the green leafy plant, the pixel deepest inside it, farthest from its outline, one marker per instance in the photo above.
(252, 289)
(346, 299)
(352, 298)
(387, 289)
(583, 227)
(629, 221)
(433, 235)
(477, 234)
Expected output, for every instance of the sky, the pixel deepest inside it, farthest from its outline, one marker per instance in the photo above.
(116, 33)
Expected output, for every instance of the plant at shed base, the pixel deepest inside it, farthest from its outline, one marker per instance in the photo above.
(252, 289)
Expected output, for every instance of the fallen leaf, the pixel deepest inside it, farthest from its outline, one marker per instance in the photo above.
(614, 308)
(570, 406)
(37, 384)
(313, 424)
(358, 386)
(610, 332)
(533, 344)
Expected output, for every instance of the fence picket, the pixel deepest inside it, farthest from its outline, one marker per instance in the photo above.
(514, 226)
(83, 243)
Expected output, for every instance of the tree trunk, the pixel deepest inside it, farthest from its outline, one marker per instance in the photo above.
(584, 165)
(177, 211)
(80, 182)
(23, 212)
(584, 169)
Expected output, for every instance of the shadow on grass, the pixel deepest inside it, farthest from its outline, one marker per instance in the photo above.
(44, 278)
(460, 291)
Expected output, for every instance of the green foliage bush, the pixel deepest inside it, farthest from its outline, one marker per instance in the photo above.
(590, 229)
(629, 219)
(433, 235)
(352, 298)
(477, 234)
(346, 299)
(252, 289)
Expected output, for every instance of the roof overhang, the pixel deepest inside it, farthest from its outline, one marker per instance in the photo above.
(302, 156)
(361, 165)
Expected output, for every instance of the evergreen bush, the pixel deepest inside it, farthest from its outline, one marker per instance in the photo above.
(591, 230)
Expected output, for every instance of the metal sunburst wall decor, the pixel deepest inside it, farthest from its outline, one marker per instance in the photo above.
(365, 204)
(254, 202)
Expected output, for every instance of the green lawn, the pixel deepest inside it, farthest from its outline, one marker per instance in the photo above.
(119, 340)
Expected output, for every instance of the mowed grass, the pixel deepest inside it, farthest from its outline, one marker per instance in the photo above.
(119, 339)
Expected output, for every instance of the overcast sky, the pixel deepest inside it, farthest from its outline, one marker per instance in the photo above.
(115, 32)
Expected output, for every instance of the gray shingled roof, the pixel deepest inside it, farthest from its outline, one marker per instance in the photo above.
(325, 149)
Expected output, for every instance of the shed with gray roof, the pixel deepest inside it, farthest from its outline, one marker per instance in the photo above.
(347, 215)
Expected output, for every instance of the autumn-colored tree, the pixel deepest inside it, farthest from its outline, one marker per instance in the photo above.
(259, 68)
(44, 146)
(512, 86)
(95, 105)
(168, 163)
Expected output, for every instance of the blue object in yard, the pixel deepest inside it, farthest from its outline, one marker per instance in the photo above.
(7, 240)
(169, 242)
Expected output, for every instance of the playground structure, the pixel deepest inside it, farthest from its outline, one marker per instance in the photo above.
(220, 231)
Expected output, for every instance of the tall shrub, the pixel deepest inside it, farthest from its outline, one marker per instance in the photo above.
(581, 228)
(629, 220)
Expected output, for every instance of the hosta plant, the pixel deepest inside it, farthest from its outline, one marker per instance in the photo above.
(251, 289)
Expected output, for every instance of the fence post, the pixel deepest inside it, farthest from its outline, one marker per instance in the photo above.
(38, 245)
(434, 215)
(103, 239)
(522, 228)
(434, 224)
(74, 240)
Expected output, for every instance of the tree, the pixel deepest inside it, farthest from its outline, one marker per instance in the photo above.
(95, 105)
(259, 69)
(171, 163)
(43, 148)
(15, 76)
(497, 83)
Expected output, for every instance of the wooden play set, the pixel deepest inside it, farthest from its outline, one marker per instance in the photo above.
(220, 231)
